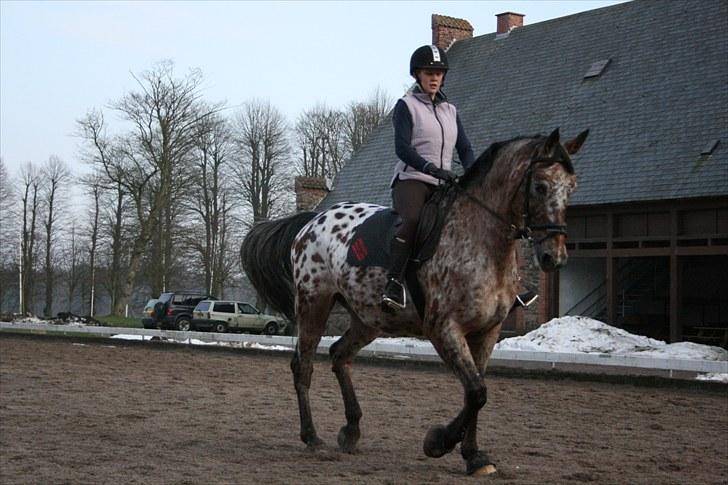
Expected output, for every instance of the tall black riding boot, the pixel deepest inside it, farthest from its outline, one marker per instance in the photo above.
(394, 297)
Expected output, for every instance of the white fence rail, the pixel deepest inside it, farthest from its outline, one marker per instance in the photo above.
(385, 348)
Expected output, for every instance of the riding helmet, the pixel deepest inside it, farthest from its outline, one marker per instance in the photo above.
(428, 57)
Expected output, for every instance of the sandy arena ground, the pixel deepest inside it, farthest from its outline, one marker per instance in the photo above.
(116, 412)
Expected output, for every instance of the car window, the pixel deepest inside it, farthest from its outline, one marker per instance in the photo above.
(224, 307)
(178, 299)
(247, 308)
(165, 297)
(150, 304)
(203, 306)
(193, 300)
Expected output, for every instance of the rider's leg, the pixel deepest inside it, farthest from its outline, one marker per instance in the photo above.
(394, 294)
(408, 197)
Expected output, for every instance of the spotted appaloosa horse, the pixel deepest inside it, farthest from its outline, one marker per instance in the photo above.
(516, 188)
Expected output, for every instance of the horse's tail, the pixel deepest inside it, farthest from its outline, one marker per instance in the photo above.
(266, 258)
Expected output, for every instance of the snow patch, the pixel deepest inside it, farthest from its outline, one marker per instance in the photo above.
(713, 376)
(586, 335)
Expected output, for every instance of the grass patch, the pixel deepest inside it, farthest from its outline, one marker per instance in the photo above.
(114, 321)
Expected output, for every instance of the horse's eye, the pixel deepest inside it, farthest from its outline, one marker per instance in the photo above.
(541, 189)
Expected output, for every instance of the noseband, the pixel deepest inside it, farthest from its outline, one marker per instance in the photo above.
(527, 230)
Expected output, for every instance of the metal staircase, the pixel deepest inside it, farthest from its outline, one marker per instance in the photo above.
(638, 279)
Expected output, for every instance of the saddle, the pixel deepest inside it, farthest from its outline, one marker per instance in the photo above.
(370, 241)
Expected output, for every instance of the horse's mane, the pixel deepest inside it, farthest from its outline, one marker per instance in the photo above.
(483, 164)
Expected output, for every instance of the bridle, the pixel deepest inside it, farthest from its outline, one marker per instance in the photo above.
(527, 230)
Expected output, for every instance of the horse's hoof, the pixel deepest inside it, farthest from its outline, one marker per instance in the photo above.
(314, 443)
(434, 445)
(347, 439)
(480, 464)
(486, 470)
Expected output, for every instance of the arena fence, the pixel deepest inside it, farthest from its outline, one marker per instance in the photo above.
(393, 349)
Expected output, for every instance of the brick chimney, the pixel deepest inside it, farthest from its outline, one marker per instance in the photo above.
(446, 30)
(508, 21)
(309, 192)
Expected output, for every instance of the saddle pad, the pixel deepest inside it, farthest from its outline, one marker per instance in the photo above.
(370, 242)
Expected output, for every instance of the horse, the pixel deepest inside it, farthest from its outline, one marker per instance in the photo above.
(516, 189)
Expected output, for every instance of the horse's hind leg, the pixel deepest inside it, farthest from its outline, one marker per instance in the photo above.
(311, 313)
(342, 352)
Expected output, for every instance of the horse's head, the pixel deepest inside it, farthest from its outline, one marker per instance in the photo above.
(548, 182)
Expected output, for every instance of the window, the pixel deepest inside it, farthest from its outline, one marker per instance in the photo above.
(203, 306)
(224, 307)
(597, 68)
(247, 308)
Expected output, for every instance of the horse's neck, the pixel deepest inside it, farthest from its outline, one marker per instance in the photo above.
(490, 237)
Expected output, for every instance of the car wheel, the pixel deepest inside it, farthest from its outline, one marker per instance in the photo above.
(220, 327)
(183, 325)
(271, 328)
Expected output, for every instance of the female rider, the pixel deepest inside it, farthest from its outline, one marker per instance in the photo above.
(426, 130)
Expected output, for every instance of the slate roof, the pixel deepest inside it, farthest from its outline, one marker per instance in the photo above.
(661, 99)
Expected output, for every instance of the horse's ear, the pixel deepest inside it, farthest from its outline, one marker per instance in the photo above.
(572, 146)
(551, 142)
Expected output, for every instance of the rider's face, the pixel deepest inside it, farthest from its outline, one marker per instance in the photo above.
(430, 80)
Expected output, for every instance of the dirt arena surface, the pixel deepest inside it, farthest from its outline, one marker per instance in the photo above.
(85, 411)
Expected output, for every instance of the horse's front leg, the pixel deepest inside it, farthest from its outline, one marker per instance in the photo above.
(342, 353)
(454, 350)
(481, 347)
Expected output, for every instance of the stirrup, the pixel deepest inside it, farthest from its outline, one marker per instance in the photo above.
(525, 299)
(393, 304)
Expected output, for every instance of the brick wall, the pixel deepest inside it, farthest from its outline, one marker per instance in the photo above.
(446, 30)
(309, 192)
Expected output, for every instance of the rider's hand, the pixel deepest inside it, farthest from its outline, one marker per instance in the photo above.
(440, 173)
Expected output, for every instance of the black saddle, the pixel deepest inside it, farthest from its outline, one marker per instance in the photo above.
(371, 239)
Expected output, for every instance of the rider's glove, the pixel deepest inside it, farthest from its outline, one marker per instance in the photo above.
(439, 173)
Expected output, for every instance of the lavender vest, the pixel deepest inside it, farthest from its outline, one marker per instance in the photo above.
(434, 134)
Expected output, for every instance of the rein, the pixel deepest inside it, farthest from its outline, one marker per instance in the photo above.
(525, 232)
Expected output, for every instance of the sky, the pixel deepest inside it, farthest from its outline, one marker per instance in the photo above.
(59, 59)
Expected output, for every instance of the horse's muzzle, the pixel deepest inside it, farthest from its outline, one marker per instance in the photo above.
(551, 255)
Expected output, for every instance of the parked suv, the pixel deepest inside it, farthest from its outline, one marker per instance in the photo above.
(174, 310)
(222, 316)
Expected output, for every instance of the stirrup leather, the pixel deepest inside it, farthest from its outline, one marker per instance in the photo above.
(393, 303)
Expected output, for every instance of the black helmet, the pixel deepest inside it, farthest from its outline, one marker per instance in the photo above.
(428, 57)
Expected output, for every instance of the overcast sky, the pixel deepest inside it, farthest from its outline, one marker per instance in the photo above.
(59, 59)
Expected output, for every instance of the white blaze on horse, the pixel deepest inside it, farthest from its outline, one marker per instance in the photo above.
(518, 188)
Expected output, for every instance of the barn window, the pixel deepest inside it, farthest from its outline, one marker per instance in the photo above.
(597, 68)
(710, 147)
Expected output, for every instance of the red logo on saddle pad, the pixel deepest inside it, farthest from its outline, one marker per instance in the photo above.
(360, 249)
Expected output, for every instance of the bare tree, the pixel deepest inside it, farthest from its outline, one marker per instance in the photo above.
(152, 158)
(55, 174)
(94, 186)
(30, 200)
(210, 201)
(110, 201)
(261, 168)
(8, 237)
(322, 143)
(361, 118)
(73, 266)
